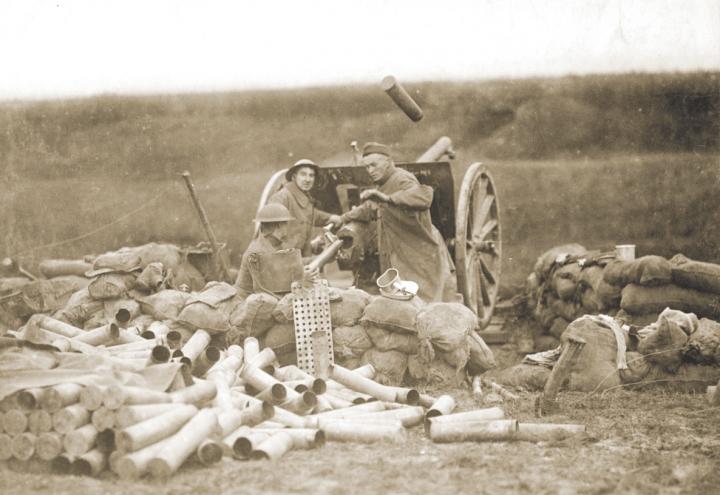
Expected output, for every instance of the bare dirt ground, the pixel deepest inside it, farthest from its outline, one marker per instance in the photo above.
(637, 442)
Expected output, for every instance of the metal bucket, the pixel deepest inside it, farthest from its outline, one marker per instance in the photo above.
(625, 252)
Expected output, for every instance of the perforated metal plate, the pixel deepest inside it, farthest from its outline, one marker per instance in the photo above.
(311, 312)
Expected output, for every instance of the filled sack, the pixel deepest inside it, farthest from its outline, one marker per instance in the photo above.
(392, 314)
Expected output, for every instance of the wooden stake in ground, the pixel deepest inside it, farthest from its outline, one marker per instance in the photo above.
(571, 350)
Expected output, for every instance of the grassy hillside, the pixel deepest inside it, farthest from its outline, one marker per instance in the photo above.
(595, 160)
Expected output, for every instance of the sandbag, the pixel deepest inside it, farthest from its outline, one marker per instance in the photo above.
(113, 285)
(688, 378)
(664, 345)
(695, 274)
(392, 314)
(544, 314)
(184, 275)
(350, 341)
(79, 308)
(527, 376)
(283, 312)
(385, 340)
(589, 281)
(703, 346)
(445, 327)
(281, 339)
(436, 373)
(96, 320)
(546, 260)
(42, 296)
(210, 315)
(558, 327)
(480, 357)
(255, 315)
(647, 271)
(151, 278)
(565, 280)
(608, 294)
(348, 310)
(169, 255)
(546, 342)
(164, 305)
(124, 260)
(637, 299)
(349, 362)
(596, 366)
(637, 320)
(11, 284)
(390, 366)
(637, 368)
(565, 309)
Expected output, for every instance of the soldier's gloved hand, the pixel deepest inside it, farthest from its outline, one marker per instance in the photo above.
(374, 194)
(336, 221)
(310, 275)
(317, 244)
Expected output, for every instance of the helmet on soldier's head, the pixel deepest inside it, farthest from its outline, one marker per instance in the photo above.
(298, 165)
(273, 213)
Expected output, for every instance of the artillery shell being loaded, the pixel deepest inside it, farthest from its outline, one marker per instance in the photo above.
(49, 445)
(152, 430)
(205, 361)
(408, 416)
(352, 431)
(39, 421)
(103, 418)
(23, 446)
(183, 443)
(118, 395)
(70, 418)
(487, 414)
(90, 463)
(196, 344)
(251, 348)
(273, 447)
(79, 441)
(472, 430)
(59, 396)
(538, 432)
(209, 452)
(402, 98)
(195, 394)
(444, 405)
(91, 397)
(358, 382)
(6, 447)
(98, 336)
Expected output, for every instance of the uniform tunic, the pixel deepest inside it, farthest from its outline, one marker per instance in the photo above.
(407, 239)
(245, 282)
(302, 207)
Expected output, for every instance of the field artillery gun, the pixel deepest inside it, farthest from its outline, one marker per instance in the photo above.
(470, 226)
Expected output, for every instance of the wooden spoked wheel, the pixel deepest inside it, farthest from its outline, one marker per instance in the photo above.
(478, 243)
(272, 186)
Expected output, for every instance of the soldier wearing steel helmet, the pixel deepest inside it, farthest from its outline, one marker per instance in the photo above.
(273, 219)
(295, 196)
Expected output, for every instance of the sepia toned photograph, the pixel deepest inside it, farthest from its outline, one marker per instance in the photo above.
(359, 247)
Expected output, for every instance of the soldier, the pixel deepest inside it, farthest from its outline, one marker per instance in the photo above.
(295, 196)
(273, 219)
(407, 239)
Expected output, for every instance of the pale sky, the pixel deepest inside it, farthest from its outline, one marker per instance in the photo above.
(60, 48)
